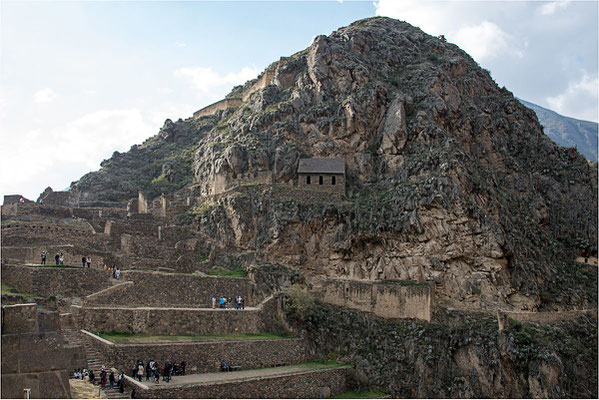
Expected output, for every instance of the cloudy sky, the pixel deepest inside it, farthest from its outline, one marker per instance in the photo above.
(79, 80)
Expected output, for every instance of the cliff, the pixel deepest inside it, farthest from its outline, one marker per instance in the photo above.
(450, 178)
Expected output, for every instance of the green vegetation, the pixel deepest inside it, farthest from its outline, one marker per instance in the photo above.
(7, 289)
(125, 337)
(371, 394)
(325, 363)
(240, 272)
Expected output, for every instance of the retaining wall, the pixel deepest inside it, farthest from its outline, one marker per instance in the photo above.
(33, 354)
(157, 289)
(32, 255)
(51, 281)
(204, 357)
(311, 385)
(218, 106)
(545, 317)
(167, 321)
(384, 299)
(179, 321)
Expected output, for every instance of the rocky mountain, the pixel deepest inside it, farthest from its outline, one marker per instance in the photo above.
(449, 177)
(566, 131)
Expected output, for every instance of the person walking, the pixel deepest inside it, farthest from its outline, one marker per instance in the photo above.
(83, 260)
(121, 382)
(213, 302)
(44, 257)
(61, 258)
(89, 261)
(140, 371)
(111, 379)
(103, 378)
(57, 258)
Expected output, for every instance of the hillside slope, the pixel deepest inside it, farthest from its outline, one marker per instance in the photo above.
(449, 177)
(568, 132)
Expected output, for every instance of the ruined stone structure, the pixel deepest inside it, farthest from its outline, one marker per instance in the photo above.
(218, 106)
(385, 299)
(326, 174)
(50, 197)
(34, 356)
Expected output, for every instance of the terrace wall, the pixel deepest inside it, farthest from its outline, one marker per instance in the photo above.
(156, 289)
(33, 354)
(52, 281)
(311, 385)
(204, 357)
(179, 321)
(385, 299)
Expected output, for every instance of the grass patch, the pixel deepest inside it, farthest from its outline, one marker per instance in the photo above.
(128, 338)
(325, 362)
(7, 289)
(240, 272)
(371, 394)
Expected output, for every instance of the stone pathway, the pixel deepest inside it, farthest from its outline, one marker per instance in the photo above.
(111, 307)
(221, 377)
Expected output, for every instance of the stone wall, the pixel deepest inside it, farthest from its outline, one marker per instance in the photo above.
(202, 357)
(72, 255)
(311, 385)
(178, 321)
(52, 281)
(545, 317)
(158, 289)
(218, 106)
(33, 354)
(12, 199)
(226, 181)
(169, 321)
(327, 182)
(266, 79)
(56, 198)
(385, 299)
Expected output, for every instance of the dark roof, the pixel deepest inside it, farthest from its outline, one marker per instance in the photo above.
(321, 166)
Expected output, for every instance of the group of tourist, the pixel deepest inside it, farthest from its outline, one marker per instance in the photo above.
(86, 261)
(59, 257)
(153, 371)
(113, 270)
(223, 302)
(105, 378)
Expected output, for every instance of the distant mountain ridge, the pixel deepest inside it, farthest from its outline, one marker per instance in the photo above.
(568, 132)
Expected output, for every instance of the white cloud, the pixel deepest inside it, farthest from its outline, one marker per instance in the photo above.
(552, 7)
(45, 95)
(206, 80)
(81, 144)
(579, 100)
(483, 41)
(180, 44)
(461, 24)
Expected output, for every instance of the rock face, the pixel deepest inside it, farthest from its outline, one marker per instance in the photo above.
(449, 177)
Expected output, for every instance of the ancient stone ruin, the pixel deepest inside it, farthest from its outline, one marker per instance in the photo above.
(393, 220)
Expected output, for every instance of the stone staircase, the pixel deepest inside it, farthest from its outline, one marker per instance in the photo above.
(73, 336)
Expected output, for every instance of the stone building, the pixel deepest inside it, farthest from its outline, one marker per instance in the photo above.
(326, 174)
